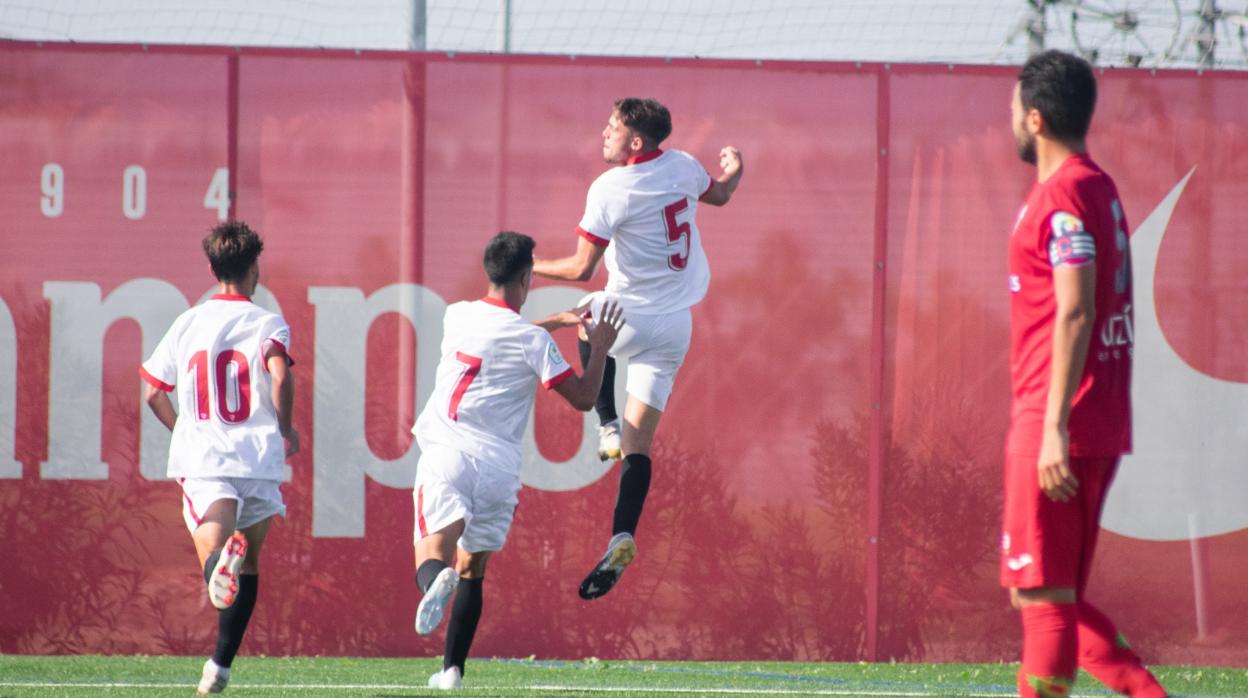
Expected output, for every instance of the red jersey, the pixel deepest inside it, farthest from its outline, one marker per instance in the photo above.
(1073, 218)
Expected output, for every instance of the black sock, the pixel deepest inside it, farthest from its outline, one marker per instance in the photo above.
(634, 484)
(232, 622)
(427, 572)
(211, 563)
(465, 613)
(605, 404)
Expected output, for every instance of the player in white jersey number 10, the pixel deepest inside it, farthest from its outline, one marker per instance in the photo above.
(470, 434)
(227, 359)
(640, 218)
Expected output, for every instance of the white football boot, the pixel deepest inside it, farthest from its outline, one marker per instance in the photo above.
(223, 584)
(609, 441)
(433, 603)
(447, 679)
(620, 551)
(214, 678)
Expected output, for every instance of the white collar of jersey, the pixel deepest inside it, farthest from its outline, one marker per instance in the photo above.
(229, 297)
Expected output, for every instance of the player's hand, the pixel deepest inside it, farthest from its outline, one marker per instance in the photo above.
(1056, 479)
(602, 335)
(569, 318)
(292, 443)
(730, 161)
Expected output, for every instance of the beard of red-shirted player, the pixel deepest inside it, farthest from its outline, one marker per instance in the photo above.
(1026, 144)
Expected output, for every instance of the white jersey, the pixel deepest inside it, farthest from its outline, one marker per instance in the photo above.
(492, 360)
(643, 212)
(214, 355)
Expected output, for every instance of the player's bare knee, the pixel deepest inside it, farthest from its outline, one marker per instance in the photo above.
(211, 535)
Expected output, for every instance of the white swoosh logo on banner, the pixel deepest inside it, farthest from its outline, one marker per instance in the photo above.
(1188, 475)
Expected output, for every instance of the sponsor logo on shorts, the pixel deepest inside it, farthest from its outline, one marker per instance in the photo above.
(1018, 563)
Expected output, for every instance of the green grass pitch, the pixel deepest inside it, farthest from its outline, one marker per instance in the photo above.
(146, 677)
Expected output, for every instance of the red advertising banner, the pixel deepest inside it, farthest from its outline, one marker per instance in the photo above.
(828, 473)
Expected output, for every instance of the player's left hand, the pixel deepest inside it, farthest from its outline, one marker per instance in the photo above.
(1056, 478)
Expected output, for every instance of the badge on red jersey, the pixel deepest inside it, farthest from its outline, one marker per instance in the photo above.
(1070, 244)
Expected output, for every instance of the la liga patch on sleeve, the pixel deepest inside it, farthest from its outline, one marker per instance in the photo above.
(555, 357)
(1071, 244)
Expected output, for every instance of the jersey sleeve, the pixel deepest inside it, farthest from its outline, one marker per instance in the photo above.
(277, 340)
(1067, 240)
(546, 360)
(161, 368)
(702, 180)
(603, 213)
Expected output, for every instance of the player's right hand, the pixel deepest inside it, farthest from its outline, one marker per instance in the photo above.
(602, 335)
(292, 443)
(730, 160)
(1053, 466)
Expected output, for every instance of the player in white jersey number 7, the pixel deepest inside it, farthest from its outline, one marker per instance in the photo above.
(640, 218)
(470, 433)
(232, 432)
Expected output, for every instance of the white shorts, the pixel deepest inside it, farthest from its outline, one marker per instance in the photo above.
(655, 347)
(257, 499)
(452, 485)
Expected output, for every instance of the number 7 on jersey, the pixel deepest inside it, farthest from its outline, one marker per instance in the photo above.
(472, 367)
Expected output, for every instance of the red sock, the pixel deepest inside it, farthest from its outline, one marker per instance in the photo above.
(1105, 654)
(1050, 650)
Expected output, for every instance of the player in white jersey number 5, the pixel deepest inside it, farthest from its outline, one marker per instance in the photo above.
(470, 431)
(640, 218)
(231, 433)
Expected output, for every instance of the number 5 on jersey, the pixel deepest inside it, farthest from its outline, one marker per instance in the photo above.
(472, 367)
(677, 233)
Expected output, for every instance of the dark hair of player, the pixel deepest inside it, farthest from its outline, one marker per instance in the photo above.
(647, 117)
(1063, 88)
(232, 248)
(507, 256)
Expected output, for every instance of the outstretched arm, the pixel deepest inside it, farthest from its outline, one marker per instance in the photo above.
(564, 318)
(579, 267)
(723, 186)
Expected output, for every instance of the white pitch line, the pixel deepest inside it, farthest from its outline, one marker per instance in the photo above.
(762, 691)
(545, 687)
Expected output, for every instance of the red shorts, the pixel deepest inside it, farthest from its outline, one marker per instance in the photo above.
(1046, 543)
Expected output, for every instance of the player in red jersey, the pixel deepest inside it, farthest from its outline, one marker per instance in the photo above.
(1070, 369)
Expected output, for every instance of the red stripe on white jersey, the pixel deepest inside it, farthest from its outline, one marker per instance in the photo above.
(709, 187)
(558, 379)
(190, 506)
(644, 157)
(281, 351)
(154, 381)
(601, 242)
(420, 511)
